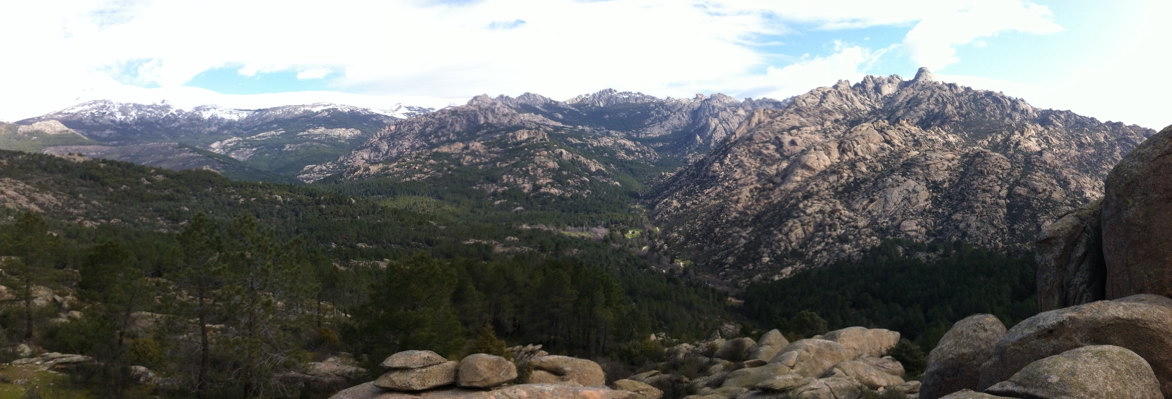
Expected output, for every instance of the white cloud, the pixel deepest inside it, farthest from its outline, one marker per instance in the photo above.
(933, 40)
(384, 51)
(314, 73)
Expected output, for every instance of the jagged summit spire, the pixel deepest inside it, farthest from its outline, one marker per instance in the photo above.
(924, 75)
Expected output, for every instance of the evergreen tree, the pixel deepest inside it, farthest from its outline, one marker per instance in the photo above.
(34, 246)
(116, 289)
(200, 273)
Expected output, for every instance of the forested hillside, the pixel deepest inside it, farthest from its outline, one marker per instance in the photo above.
(217, 285)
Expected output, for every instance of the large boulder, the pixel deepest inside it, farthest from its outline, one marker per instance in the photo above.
(524, 391)
(873, 342)
(485, 371)
(1089, 372)
(1137, 203)
(558, 391)
(1139, 323)
(767, 347)
(642, 390)
(812, 357)
(751, 377)
(1071, 269)
(365, 390)
(969, 394)
(784, 383)
(736, 349)
(412, 359)
(865, 373)
(419, 379)
(828, 388)
(564, 369)
(955, 363)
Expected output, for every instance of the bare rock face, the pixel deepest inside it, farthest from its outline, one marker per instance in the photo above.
(524, 391)
(871, 342)
(412, 359)
(1098, 371)
(1071, 268)
(1135, 207)
(955, 362)
(829, 388)
(419, 379)
(564, 369)
(754, 376)
(641, 389)
(736, 349)
(542, 146)
(865, 373)
(485, 371)
(847, 166)
(812, 357)
(767, 347)
(1139, 323)
(970, 394)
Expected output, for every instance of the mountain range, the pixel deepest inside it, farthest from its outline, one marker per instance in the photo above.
(736, 190)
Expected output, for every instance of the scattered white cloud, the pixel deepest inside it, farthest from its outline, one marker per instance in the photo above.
(933, 40)
(442, 53)
(314, 73)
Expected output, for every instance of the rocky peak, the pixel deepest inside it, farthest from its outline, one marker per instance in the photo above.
(481, 100)
(844, 167)
(924, 75)
(609, 97)
(533, 99)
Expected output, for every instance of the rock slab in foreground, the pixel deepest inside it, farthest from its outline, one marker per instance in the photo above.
(955, 363)
(1140, 323)
(1089, 372)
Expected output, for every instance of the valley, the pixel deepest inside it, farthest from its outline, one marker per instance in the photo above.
(588, 225)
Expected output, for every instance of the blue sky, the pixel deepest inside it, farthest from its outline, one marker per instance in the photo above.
(1101, 59)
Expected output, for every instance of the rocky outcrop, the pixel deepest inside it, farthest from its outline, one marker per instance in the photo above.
(1097, 371)
(767, 347)
(736, 349)
(412, 359)
(326, 376)
(640, 389)
(1135, 206)
(861, 341)
(847, 166)
(527, 391)
(418, 379)
(847, 363)
(566, 370)
(955, 363)
(970, 394)
(482, 370)
(812, 357)
(425, 374)
(545, 147)
(1071, 269)
(869, 372)
(1106, 250)
(1138, 323)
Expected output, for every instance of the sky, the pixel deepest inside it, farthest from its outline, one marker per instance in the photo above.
(1105, 59)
